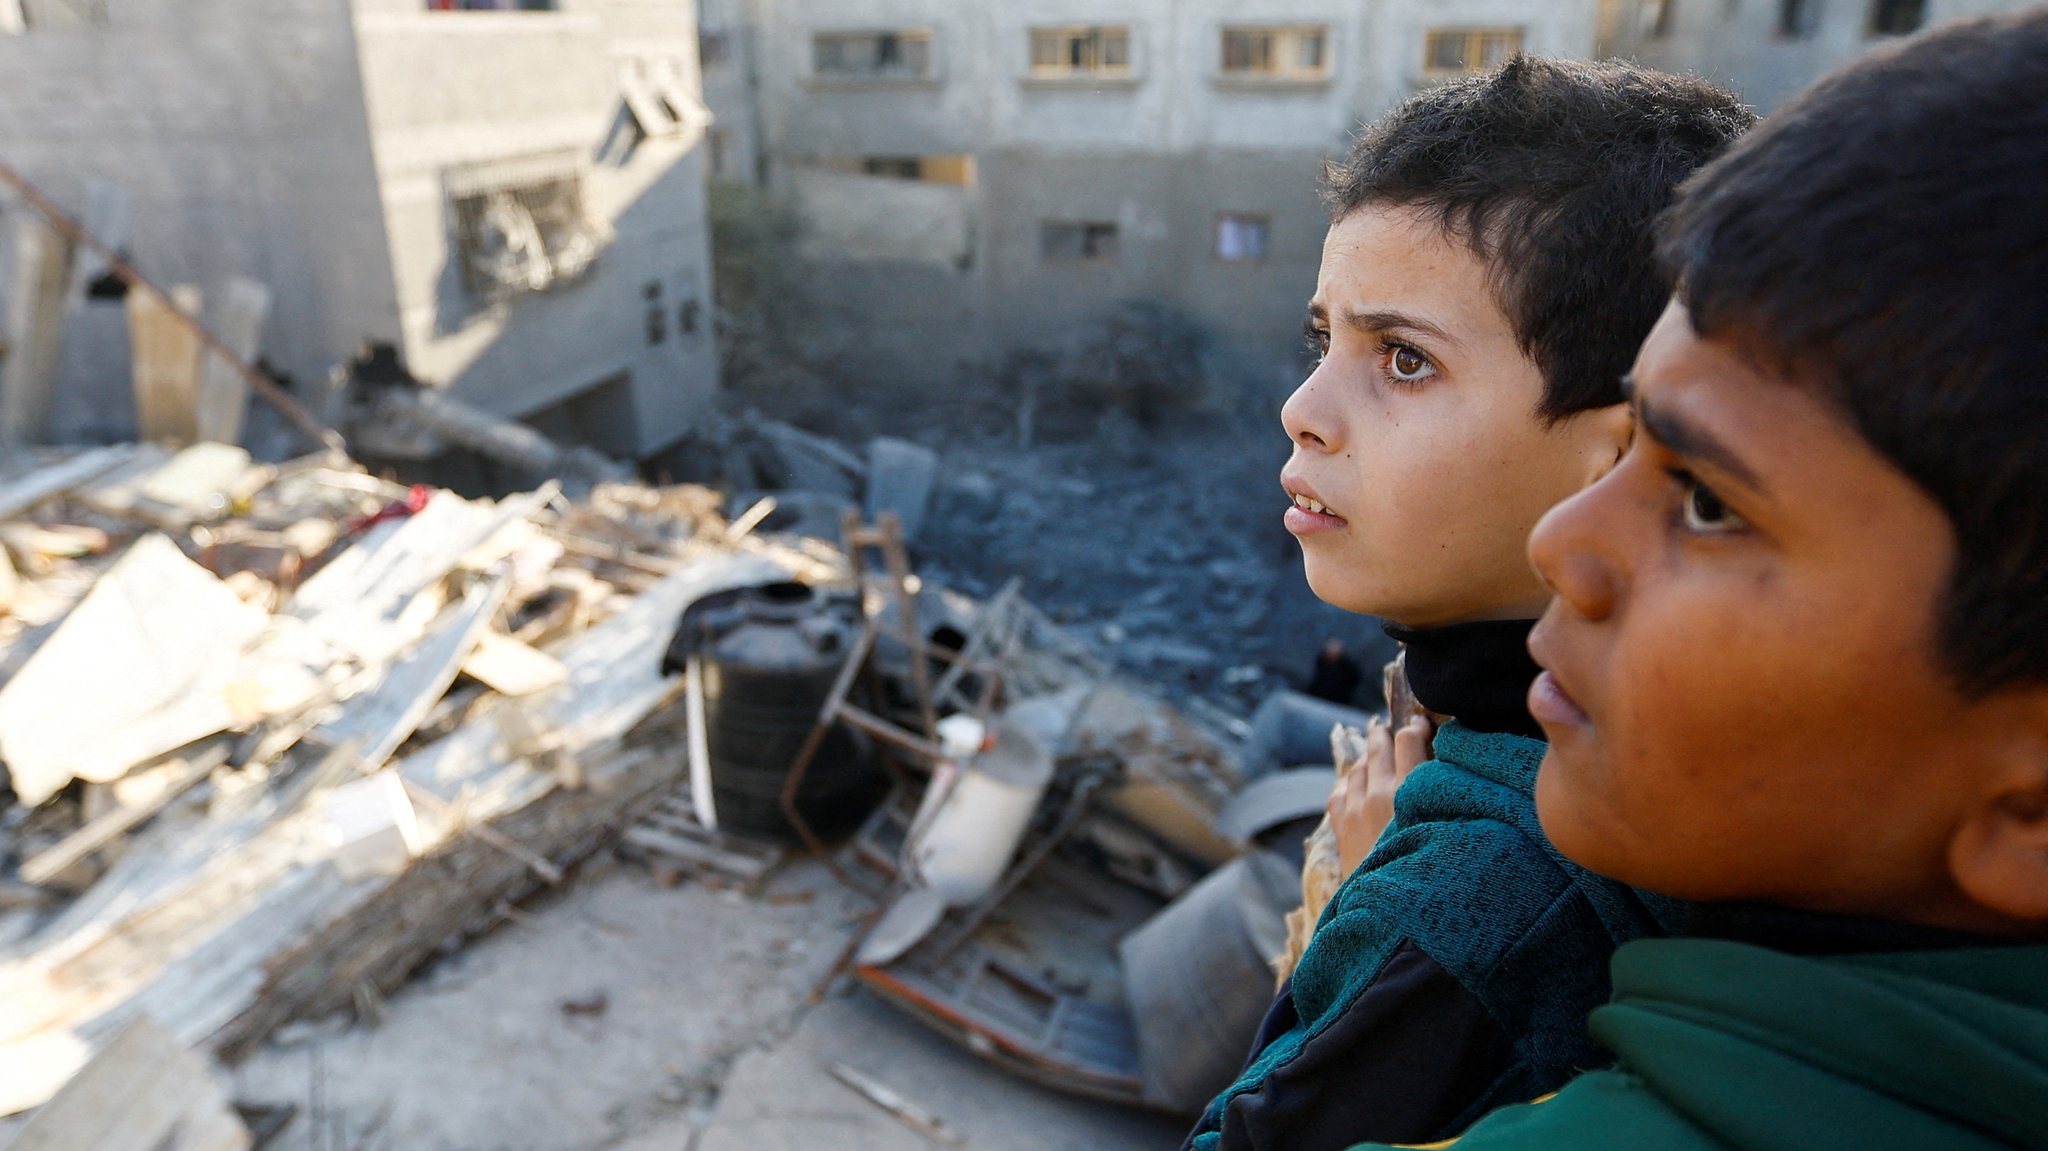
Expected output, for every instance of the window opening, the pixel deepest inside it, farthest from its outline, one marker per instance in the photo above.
(1277, 53)
(523, 235)
(1078, 240)
(1081, 51)
(1241, 238)
(1453, 51)
(1897, 17)
(900, 55)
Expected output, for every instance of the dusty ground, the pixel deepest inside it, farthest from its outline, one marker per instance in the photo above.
(628, 1016)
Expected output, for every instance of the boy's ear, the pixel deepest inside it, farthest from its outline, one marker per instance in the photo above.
(1606, 435)
(1999, 854)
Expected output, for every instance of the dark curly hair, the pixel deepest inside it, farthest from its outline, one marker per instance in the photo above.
(1554, 172)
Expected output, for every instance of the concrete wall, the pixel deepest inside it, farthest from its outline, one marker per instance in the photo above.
(238, 131)
(447, 90)
(1741, 46)
(1162, 153)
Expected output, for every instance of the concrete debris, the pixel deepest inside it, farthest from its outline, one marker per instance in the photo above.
(282, 734)
(143, 1092)
(308, 799)
(901, 476)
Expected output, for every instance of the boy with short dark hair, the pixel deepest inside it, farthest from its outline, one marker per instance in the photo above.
(1797, 667)
(1486, 277)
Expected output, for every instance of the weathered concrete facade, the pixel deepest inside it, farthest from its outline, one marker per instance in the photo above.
(1046, 197)
(340, 151)
(1768, 49)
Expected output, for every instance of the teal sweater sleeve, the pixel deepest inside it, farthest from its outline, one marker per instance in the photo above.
(1465, 874)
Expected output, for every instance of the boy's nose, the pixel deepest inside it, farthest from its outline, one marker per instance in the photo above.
(1566, 549)
(1307, 421)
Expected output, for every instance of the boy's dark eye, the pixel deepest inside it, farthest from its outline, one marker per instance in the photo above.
(1703, 509)
(1405, 364)
(1408, 364)
(1318, 339)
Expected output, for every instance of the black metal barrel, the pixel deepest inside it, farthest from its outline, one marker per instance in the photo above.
(769, 659)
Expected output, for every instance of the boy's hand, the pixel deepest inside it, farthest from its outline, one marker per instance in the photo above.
(1362, 804)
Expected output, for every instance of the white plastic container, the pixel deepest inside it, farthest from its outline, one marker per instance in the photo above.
(972, 827)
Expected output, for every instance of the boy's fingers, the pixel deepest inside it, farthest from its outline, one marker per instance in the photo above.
(1379, 751)
(1411, 746)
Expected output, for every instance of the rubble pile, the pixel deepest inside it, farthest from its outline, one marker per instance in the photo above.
(1167, 557)
(278, 733)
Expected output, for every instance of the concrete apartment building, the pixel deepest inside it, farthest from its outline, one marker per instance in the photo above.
(978, 176)
(512, 198)
(1768, 49)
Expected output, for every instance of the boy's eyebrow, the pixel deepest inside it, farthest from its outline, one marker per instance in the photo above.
(1686, 439)
(1381, 321)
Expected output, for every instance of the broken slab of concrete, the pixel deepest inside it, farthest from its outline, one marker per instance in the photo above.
(142, 1093)
(223, 390)
(901, 475)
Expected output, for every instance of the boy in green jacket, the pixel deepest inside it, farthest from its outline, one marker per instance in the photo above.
(1797, 663)
(1487, 275)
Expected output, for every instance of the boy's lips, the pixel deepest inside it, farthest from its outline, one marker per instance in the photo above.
(1549, 701)
(1308, 514)
(1553, 706)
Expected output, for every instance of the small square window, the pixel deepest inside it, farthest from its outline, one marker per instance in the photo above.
(1241, 238)
(1798, 19)
(712, 48)
(1085, 240)
(1897, 17)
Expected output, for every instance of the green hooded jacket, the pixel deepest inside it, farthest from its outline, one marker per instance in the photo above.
(1725, 1045)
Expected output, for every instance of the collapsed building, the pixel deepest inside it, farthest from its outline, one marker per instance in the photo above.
(511, 200)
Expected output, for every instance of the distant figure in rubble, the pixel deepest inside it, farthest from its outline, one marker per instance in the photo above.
(1337, 675)
(1485, 282)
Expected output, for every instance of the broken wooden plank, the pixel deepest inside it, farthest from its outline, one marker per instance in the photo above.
(25, 492)
(364, 600)
(47, 864)
(509, 667)
(165, 346)
(117, 488)
(138, 669)
(223, 389)
(143, 1092)
(690, 844)
(382, 718)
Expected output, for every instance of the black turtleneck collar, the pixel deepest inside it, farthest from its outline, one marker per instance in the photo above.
(1816, 933)
(1477, 673)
